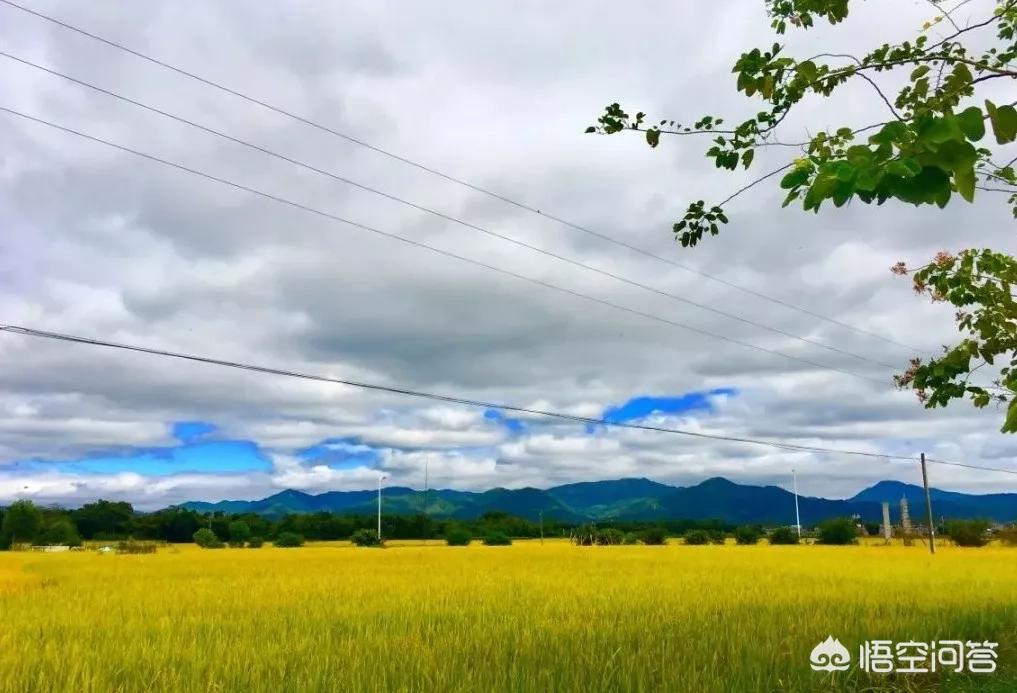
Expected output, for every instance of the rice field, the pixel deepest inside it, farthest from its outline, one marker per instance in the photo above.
(529, 617)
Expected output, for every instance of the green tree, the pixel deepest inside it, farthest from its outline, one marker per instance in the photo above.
(747, 535)
(783, 536)
(654, 536)
(697, 537)
(610, 536)
(22, 521)
(458, 536)
(59, 531)
(103, 518)
(968, 532)
(940, 139)
(207, 539)
(255, 543)
(497, 539)
(239, 532)
(364, 537)
(838, 531)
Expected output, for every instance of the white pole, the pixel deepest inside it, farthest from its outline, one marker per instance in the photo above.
(798, 521)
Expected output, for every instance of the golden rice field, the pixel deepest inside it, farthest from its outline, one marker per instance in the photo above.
(529, 617)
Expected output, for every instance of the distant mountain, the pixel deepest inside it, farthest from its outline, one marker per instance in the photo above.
(997, 506)
(632, 499)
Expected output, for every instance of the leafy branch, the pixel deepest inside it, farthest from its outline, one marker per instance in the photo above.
(925, 155)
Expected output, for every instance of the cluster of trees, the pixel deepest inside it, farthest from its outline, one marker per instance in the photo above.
(23, 522)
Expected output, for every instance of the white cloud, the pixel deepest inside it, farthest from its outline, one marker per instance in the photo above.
(102, 244)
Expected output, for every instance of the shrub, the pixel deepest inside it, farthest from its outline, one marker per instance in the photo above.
(207, 539)
(838, 531)
(630, 538)
(366, 537)
(584, 535)
(654, 536)
(131, 546)
(783, 535)
(697, 537)
(610, 537)
(240, 532)
(968, 532)
(255, 542)
(497, 539)
(458, 536)
(288, 540)
(746, 535)
(60, 532)
(1008, 535)
(717, 537)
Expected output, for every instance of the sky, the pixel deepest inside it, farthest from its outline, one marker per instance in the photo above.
(99, 243)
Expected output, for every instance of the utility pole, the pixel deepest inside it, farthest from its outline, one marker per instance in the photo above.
(928, 508)
(541, 527)
(798, 520)
(886, 523)
(381, 477)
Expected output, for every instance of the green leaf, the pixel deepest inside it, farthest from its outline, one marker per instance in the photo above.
(919, 71)
(964, 179)
(653, 137)
(1010, 425)
(747, 156)
(1004, 122)
(972, 123)
(798, 176)
(590, 129)
(808, 71)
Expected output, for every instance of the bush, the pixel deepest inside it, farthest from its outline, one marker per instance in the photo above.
(366, 537)
(240, 532)
(746, 535)
(1008, 535)
(717, 537)
(783, 535)
(288, 540)
(458, 536)
(968, 532)
(60, 532)
(697, 537)
(630, 538)
(654, 536)
(497, 539)
(584, 535)
(255, 542)
(207, 539)
(131, 546)
(610, 537)
(838, 531)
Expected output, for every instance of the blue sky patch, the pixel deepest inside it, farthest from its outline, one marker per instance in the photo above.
(189, 431)
(513, 425)
(224, 456)
(644, 406)
(341, 453)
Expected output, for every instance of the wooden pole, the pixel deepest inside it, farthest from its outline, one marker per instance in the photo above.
(928, 508)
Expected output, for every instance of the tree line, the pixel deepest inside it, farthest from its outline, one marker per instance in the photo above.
(24, 522)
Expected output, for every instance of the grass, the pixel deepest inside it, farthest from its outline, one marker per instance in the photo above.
(529, 617)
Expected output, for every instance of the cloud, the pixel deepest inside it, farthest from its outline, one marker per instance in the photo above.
(100, 243)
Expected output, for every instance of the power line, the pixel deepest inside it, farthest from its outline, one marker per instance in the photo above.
(452, 179)
(441, 215)
(419, 244)
(76, 339)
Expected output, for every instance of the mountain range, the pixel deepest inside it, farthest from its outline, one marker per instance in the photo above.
(633, 499)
